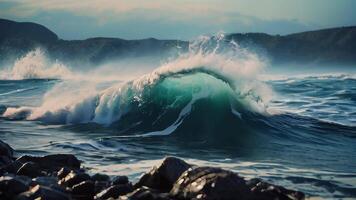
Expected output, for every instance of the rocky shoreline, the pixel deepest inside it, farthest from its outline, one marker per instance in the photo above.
(61, 177)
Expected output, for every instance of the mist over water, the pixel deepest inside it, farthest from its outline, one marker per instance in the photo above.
(217, 104)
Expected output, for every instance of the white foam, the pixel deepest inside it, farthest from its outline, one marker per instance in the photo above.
(80, 100)
(35, 65)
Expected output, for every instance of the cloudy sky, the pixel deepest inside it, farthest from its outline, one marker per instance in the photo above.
(181, 19)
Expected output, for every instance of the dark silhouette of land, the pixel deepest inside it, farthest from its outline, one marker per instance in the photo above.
(327, 46)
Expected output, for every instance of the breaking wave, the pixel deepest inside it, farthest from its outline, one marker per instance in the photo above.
(35, 65)
(157, 103)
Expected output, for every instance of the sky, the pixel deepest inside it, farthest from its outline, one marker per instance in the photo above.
(178, 19)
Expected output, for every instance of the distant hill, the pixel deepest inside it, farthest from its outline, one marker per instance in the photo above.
(17, 38)
(336, 45)
(331, 46)
(11, 30)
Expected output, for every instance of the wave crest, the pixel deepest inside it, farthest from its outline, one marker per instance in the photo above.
(213, 69)
(35, 65)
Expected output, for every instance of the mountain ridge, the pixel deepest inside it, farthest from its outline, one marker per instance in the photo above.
(331, 45)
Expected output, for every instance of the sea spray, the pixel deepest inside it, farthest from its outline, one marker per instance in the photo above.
(35, 65)
(220, 68)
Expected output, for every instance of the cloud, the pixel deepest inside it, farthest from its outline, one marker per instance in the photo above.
(178, 9)
(305, 11)
(172, 18)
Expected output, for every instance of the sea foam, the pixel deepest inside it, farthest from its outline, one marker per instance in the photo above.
(81, 101)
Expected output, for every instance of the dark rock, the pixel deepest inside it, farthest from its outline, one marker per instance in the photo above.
(11, 186)
(100, 186)
(163, 177)
(13, 167)
(45, 181)
(84, 190)
(100, 177)
(74, 178)
(210, 183)
(145, 193)
(63, 172)
(114, 191)
(60, 189)
(6, 154)
(43, 192)
(6, 150)
(30, 169)
(119, 180)
(265, 191)
(53, 162)
(5, 160)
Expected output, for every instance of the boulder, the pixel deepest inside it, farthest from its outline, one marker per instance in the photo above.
(163, 177)
(84, 190)
(119, 180)
(209, 183)
(6, 154)
(100, 177)
(53, 162)
(100, 186)
(145, 193)
(12, 167)
(74, 178)
(43, 192)
(30, 169)
(264, 191)
(63, 172)
(6, 150)
(10, 186)
(114, 191)
(45, 181)
(5, 160)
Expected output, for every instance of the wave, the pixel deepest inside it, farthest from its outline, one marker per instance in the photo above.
(159, 101)
(207, 94)
(35, 65)
(17, 91)
(319, 76)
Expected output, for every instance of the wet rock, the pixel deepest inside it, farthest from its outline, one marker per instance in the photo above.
(5, 160)
(100, 186)
(43, 192)
(119, 180)
(45, 181)
(84, 190)
(30, 169)
(145, 193)
(63, 172)
(6, 154)
(10, 186)
(74, 178)
(163, 177)
(210, 183)
(12, 167)
(6, 150)
(114, 191)
(53, 162)
(264, 191)
(100, 177)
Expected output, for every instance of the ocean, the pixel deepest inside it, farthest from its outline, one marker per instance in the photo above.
(214, 107)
